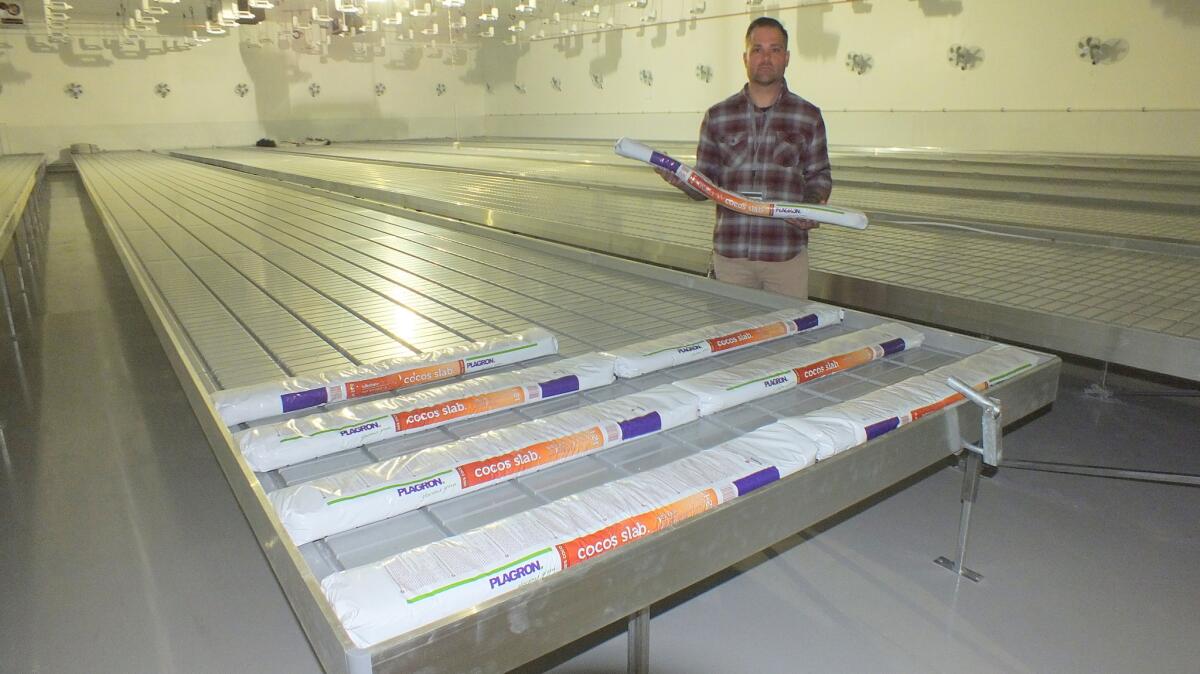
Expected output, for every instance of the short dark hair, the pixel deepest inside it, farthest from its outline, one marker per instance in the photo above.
(768, 22)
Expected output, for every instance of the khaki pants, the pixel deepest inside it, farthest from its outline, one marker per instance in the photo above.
(789, 277)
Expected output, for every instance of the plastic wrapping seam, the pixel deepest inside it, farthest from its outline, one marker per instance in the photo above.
(274, 445)
(388, 598)
(684, 347)
(844, 425)
(786, 370)
(353, 498)
(268, 399)
(844, 217)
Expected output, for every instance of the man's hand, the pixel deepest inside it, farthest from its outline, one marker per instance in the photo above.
(670, 177)
(803, 224)
(675, 182)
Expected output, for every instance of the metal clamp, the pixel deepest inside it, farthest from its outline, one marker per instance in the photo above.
(990, 453)
(991, 450)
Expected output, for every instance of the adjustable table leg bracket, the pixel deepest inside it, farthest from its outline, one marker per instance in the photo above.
(989, 453)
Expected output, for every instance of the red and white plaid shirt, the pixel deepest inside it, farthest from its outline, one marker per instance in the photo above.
(777, 154)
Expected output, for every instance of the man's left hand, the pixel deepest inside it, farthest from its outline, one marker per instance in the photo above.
(805, 225)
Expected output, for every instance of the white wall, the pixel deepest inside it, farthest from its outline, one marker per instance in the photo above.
(119, 109)
(1016, 99)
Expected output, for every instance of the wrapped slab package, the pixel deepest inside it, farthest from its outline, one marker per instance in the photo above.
(844, 217)
(388, 598)
(352, 498)
(840, 427)
(691, 345)
(274, 445)
(268, 399)
(786, 370)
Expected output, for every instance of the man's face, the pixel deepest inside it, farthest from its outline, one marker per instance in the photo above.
(766, 56)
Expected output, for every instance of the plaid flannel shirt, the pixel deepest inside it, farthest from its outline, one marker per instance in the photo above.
(780, 154)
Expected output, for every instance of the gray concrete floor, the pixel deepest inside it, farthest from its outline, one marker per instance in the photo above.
(123, 550)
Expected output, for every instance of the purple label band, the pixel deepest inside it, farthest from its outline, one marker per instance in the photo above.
(892, 346)
(880, 427)
(643, 425)
(755, 480)
(304, 399)
(557, 387)
(805, 322)
(659, 159)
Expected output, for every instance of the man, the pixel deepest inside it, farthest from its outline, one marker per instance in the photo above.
(766, 143)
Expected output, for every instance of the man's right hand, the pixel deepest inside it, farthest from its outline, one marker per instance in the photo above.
(670, 177)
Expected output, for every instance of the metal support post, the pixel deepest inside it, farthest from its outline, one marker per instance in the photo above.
(970, 490)
(25, 260)
(989, 453)
(639, 642)
(8, 312)
(21, 287)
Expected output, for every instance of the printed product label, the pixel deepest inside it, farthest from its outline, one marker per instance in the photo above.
(684, 349)
(893, 346)
(530, 457)
(747, 337)
(630, 529)
(405, 379)
(639, 426)
(753, 481)
(933, 407)
(290, 402)
(828, 366)
(456, 409)
(557, 387)
(880, 427)
(805, 322)
(659, 159)
(529, 568)
(729, 200)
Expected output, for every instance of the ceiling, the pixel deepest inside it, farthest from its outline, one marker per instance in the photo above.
(317, 21)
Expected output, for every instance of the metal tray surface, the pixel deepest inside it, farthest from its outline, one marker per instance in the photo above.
(247, 279)
(1110, 284)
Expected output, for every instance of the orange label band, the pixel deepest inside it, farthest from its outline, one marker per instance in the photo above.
(630, 529)
(828, 366)
(944, 402)
(728, 199)
(750, 336)
(398, 380)
(455, 409)
(530, 457)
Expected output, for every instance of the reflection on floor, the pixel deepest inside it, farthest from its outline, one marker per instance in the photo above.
(123, 549)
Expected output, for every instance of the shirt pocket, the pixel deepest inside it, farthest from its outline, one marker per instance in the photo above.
(735, 150)
(788, 150)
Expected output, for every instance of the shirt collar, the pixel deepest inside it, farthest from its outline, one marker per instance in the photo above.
(782, 92)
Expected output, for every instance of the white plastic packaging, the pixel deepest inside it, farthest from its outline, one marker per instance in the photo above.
(274, 445)
(785, 370)
(353, 498)
(268, 399)
(399, 594)
(840, 427)
(843, 217)
(691, 345)
(774, 445)
(388, 598)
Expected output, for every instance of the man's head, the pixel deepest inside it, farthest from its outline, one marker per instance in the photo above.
(766, 55)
